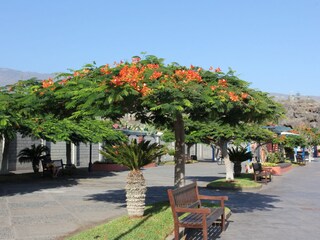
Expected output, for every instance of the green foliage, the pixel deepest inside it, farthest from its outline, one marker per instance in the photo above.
(33, 154)
(239, 154)
(274, 157)
(133, 155)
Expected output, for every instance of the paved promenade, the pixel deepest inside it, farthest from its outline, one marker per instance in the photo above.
(42, 209)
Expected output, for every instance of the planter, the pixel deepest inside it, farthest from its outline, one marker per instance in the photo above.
(108, 167)
(150, 165)
(280, 169)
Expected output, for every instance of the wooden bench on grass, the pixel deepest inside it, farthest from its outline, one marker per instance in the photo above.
(188, 212)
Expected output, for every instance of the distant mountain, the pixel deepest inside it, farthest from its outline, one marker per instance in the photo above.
(281, 97)
(10, 76)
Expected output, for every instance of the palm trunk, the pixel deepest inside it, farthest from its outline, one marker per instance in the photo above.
(135, 193)
(179, 156)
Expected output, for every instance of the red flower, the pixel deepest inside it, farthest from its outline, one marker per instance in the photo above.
(105, 69)
(223, 82)
(233, 97)
(217, 70)
(47, 83)
(213, 88)
(155, 75)
(244, 95)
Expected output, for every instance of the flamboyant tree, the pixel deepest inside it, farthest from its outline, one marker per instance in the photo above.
(165, 95)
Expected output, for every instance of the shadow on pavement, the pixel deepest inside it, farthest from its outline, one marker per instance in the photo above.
(154, 194)
(25, 183)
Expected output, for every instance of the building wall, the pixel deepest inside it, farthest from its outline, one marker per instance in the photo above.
(80, 153)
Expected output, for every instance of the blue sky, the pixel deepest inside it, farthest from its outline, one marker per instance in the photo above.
(274, 44)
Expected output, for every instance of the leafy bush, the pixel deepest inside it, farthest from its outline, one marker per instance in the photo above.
(275, 157)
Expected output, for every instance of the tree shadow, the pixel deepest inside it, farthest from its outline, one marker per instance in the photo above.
(242, 202)
(154, 194)
(206, 179)
(25, 183)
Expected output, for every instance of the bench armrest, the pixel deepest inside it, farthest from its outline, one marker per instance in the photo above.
(193, 210)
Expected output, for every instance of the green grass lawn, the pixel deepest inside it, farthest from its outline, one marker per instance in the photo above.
(156, 224)
(242, 182)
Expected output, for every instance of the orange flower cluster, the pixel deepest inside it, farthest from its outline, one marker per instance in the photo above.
(213, 88)
(129, 74)
(155, 75)
(132, 75)
(63, 81)
(188, 75)
(216, 70)
(153, 66)
(105, 70)
(223, 83)
(233, 97)
(47, 83)
(144, 90)
(244, 95)
(81, 73)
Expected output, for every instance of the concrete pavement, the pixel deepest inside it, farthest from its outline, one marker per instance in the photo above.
(42, 209)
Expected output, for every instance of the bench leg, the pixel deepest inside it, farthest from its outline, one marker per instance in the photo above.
(176, 233)
(205, 233)
(223, 222)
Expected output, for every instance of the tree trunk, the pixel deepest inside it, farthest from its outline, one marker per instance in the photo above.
(68, 153)
(179, 156)
(188, 151)
(135, 193)
(223, 144)
(5, 155)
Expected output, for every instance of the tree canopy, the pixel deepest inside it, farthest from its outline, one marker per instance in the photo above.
(158, 93)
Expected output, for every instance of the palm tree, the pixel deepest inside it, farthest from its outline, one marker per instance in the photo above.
(134, 155)
(34, 155)
(237, 156)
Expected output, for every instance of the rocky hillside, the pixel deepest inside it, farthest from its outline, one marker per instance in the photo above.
(10, 76)
(301, 111)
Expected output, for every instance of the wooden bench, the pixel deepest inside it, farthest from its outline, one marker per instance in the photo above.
(188, 212)
(52, 167)
(300, 159)
(260, 174)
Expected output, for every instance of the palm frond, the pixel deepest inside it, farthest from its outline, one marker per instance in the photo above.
(132, 154)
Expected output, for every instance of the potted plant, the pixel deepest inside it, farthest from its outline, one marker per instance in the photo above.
(238, 155)
(33, 154)
(134, 155)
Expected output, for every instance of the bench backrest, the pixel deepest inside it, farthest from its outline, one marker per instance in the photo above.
(57, 163)
(257, 167)
(185, 197)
